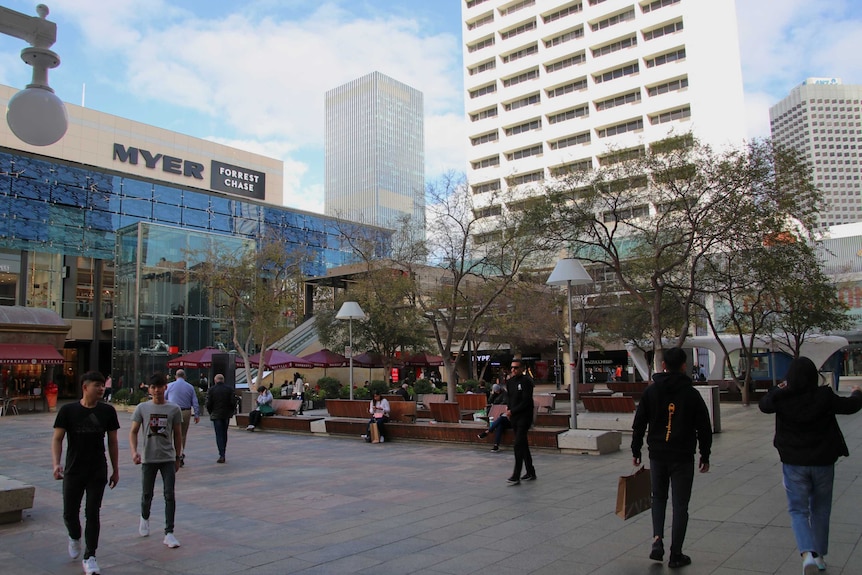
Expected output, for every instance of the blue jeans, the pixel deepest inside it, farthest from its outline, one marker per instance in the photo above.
(148, 482)
(499, 425)
(809, 501)
(220, 426)
(678, 476)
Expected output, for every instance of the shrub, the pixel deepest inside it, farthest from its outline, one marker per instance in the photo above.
(330, 385)
(361, 393)
(121, 396)
(470, 385)
(378, 386)
(138, 396)
(422, 386)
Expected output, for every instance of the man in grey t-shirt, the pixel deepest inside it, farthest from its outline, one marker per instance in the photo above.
(162, 452)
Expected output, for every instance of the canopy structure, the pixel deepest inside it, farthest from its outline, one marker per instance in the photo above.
(29, 353)
(368, 359)
(326, 358)
(275, 359)
(196, 359)
(423, 360)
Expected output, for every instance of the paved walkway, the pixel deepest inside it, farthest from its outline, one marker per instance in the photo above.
(289, 503)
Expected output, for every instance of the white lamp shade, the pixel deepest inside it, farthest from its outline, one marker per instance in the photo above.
(37, 116)
(569, 270)
(350, 310)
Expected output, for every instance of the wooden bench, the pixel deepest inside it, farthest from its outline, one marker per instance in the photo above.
(633, 390)
(287, 406)
(280, 422)
(403, 411)
(390, 397)
(15, 496)
(357, 408)
(448, 412)
(426, 399)
(613, 404)
(544, 402)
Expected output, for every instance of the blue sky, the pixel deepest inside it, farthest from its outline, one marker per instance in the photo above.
(253, 74)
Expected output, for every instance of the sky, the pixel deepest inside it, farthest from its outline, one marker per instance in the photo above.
(253, 73)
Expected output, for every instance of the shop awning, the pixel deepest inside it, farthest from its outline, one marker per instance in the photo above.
(34, 354)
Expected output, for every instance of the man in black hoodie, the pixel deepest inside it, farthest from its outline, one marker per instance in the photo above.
(678, 420)
(809, 442)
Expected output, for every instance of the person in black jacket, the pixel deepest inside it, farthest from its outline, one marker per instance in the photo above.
(678, 421)
(809, 442)
(221, 406)
(519, 389)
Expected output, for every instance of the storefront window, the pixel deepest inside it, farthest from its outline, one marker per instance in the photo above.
(44, 284)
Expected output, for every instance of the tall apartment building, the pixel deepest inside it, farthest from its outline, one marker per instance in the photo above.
(375, 152)
(822, 118)
(553, 85)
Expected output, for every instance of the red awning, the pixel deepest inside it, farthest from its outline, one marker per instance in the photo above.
(34, 354)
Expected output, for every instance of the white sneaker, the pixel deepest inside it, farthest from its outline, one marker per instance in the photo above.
(249, 428)
(382, 439)
(144, 527)
(364, 436)
(820, 560)
(171, 541)
(809, 565)
(74, 548)
(90, 566)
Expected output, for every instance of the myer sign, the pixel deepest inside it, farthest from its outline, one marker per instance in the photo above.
(223, 177)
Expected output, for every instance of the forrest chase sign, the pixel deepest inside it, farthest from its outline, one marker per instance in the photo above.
(223, 177)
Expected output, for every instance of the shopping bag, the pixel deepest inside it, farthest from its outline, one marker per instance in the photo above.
(375, 433)
(634, 493)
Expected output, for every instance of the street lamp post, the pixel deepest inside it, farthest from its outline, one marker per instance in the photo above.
(569, 272)
(35, 115)
(350, 311)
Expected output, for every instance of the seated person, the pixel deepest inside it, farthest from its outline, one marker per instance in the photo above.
(286, 390)
(502, 423)
(403, 391)
(379, 410)
(264, 407)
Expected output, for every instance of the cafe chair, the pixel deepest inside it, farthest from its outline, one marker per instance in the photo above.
(10, 405)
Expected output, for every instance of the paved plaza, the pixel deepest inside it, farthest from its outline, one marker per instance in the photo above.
(292, 503)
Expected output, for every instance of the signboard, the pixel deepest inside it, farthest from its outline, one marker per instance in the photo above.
(237, 180)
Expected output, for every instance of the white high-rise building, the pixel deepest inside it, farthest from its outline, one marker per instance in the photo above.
(553, 85)
(821, 119)
(375, 152)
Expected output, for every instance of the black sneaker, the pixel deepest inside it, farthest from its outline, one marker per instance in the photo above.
(513, 481)
(483, 435)
(495, 449)
(657, 553)
(679, 561)
(528, 477)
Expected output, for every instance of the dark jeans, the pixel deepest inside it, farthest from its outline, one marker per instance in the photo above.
(254, 417)
(679, 476)
(148, 482)
(499, 425)
(74, 488)
(523, 457)
(380, 421)
(220, 426)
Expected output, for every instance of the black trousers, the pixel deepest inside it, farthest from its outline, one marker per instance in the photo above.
(523, 457)
(679, 477)
(74, 488)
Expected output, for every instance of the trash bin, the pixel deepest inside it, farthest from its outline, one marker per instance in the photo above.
(711, 397)
(51, 392)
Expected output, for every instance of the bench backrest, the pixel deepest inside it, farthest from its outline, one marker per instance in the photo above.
(544, 402)
(392, 397)
(447, 412)
(403, 411)
(427, 399)
(609, 404)
(286, 406)
(348, 408)
(496, 411)
(471, 401)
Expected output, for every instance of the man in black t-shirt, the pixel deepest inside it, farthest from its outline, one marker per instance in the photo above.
(85, 424)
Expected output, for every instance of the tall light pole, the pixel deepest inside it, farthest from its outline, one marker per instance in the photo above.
(350, 311)
(569, 272)
(35, 115)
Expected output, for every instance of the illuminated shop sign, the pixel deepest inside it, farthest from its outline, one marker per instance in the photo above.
(223, 177)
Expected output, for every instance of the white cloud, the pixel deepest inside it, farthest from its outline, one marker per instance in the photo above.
(445, 137)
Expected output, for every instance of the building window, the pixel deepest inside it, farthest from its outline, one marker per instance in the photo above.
(614, 20)
(626, 214)
(486, 19)
(485, 138)
(517, 6)
(518, 30)
(522, 53)
(572, 167)
(486, 163)
(575, 140)
(563, 12)
(672, 86)
(484, 187)
(571, 114)
(573, 60)
(481, 44)
(521, 102)
(576, 86)
(489, 89)
(622, 100)
(666, 58)
(621, 156)
(525, 152)
(525, 178)
(671, 28)
(472, 3)
(630, 126)
(528, 75)
(657, 4)
(487, 211)
(664, 117)
(482, 114)
(487, 65)
(565, 37)
(629, 42)
(525, 127)
(628, 70)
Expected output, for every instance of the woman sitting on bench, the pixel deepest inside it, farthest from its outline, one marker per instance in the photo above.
(379, 410)
(264, 407)
(502, 423)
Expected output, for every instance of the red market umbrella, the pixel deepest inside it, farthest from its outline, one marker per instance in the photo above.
(326, 358)
(196, 359)
(276, 359)
(368, 359)
(423, 360)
